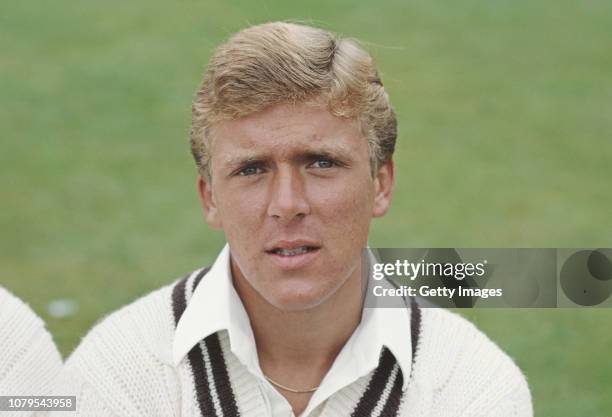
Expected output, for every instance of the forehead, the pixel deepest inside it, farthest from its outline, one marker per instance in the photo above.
(287, 128)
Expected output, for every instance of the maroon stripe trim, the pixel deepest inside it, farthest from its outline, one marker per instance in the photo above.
(178, 299)
(415, 327)
(221, 377)
(375, 387)
(195, 357)
(379, 380)
(198, 278)
(391, 407)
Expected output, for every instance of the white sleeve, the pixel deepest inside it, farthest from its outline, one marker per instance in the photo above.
(29, 359)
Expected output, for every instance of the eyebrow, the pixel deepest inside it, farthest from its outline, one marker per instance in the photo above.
(338, 153)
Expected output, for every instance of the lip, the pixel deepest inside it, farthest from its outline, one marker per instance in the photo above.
(292, 262)
(289, 244)
(289, 263)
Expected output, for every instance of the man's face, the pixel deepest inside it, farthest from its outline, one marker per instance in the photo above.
(292, 189)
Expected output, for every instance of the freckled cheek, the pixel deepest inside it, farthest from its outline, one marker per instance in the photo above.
(345, 213)
(241, 212)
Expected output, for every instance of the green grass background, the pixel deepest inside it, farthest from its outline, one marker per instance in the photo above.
(505, 116)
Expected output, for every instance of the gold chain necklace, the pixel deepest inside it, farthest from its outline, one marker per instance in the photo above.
(296, 391)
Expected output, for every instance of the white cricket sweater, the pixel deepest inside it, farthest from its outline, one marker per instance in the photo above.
(29, 360)
(124, 367)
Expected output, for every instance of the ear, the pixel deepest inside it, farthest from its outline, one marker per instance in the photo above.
(384, 183)
(207, 201)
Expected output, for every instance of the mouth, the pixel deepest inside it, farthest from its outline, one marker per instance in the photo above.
(291, 256)
(299, 250)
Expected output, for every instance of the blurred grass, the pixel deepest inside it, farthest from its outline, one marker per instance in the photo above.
(505, 116)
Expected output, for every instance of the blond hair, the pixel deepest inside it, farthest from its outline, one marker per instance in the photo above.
(286, 62)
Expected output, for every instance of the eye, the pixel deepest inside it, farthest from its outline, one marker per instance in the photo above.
(248, 171)
(323, 163)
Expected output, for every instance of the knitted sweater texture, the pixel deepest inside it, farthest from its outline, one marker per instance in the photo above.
(124, 367)
(29, 360)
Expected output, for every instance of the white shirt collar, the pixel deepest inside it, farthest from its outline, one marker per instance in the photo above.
(215, 306)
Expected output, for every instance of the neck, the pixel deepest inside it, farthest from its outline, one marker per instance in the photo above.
(308, 339)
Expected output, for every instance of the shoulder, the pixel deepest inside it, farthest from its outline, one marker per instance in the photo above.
(12, 307)
(142, 328)
(464, 367)
(126, 359)
(30, 359)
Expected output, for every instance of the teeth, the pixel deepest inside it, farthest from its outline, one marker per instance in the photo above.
(292, 252)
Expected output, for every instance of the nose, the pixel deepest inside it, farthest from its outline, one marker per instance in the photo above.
(288, 199)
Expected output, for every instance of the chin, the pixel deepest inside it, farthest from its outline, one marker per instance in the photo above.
(296, 300)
